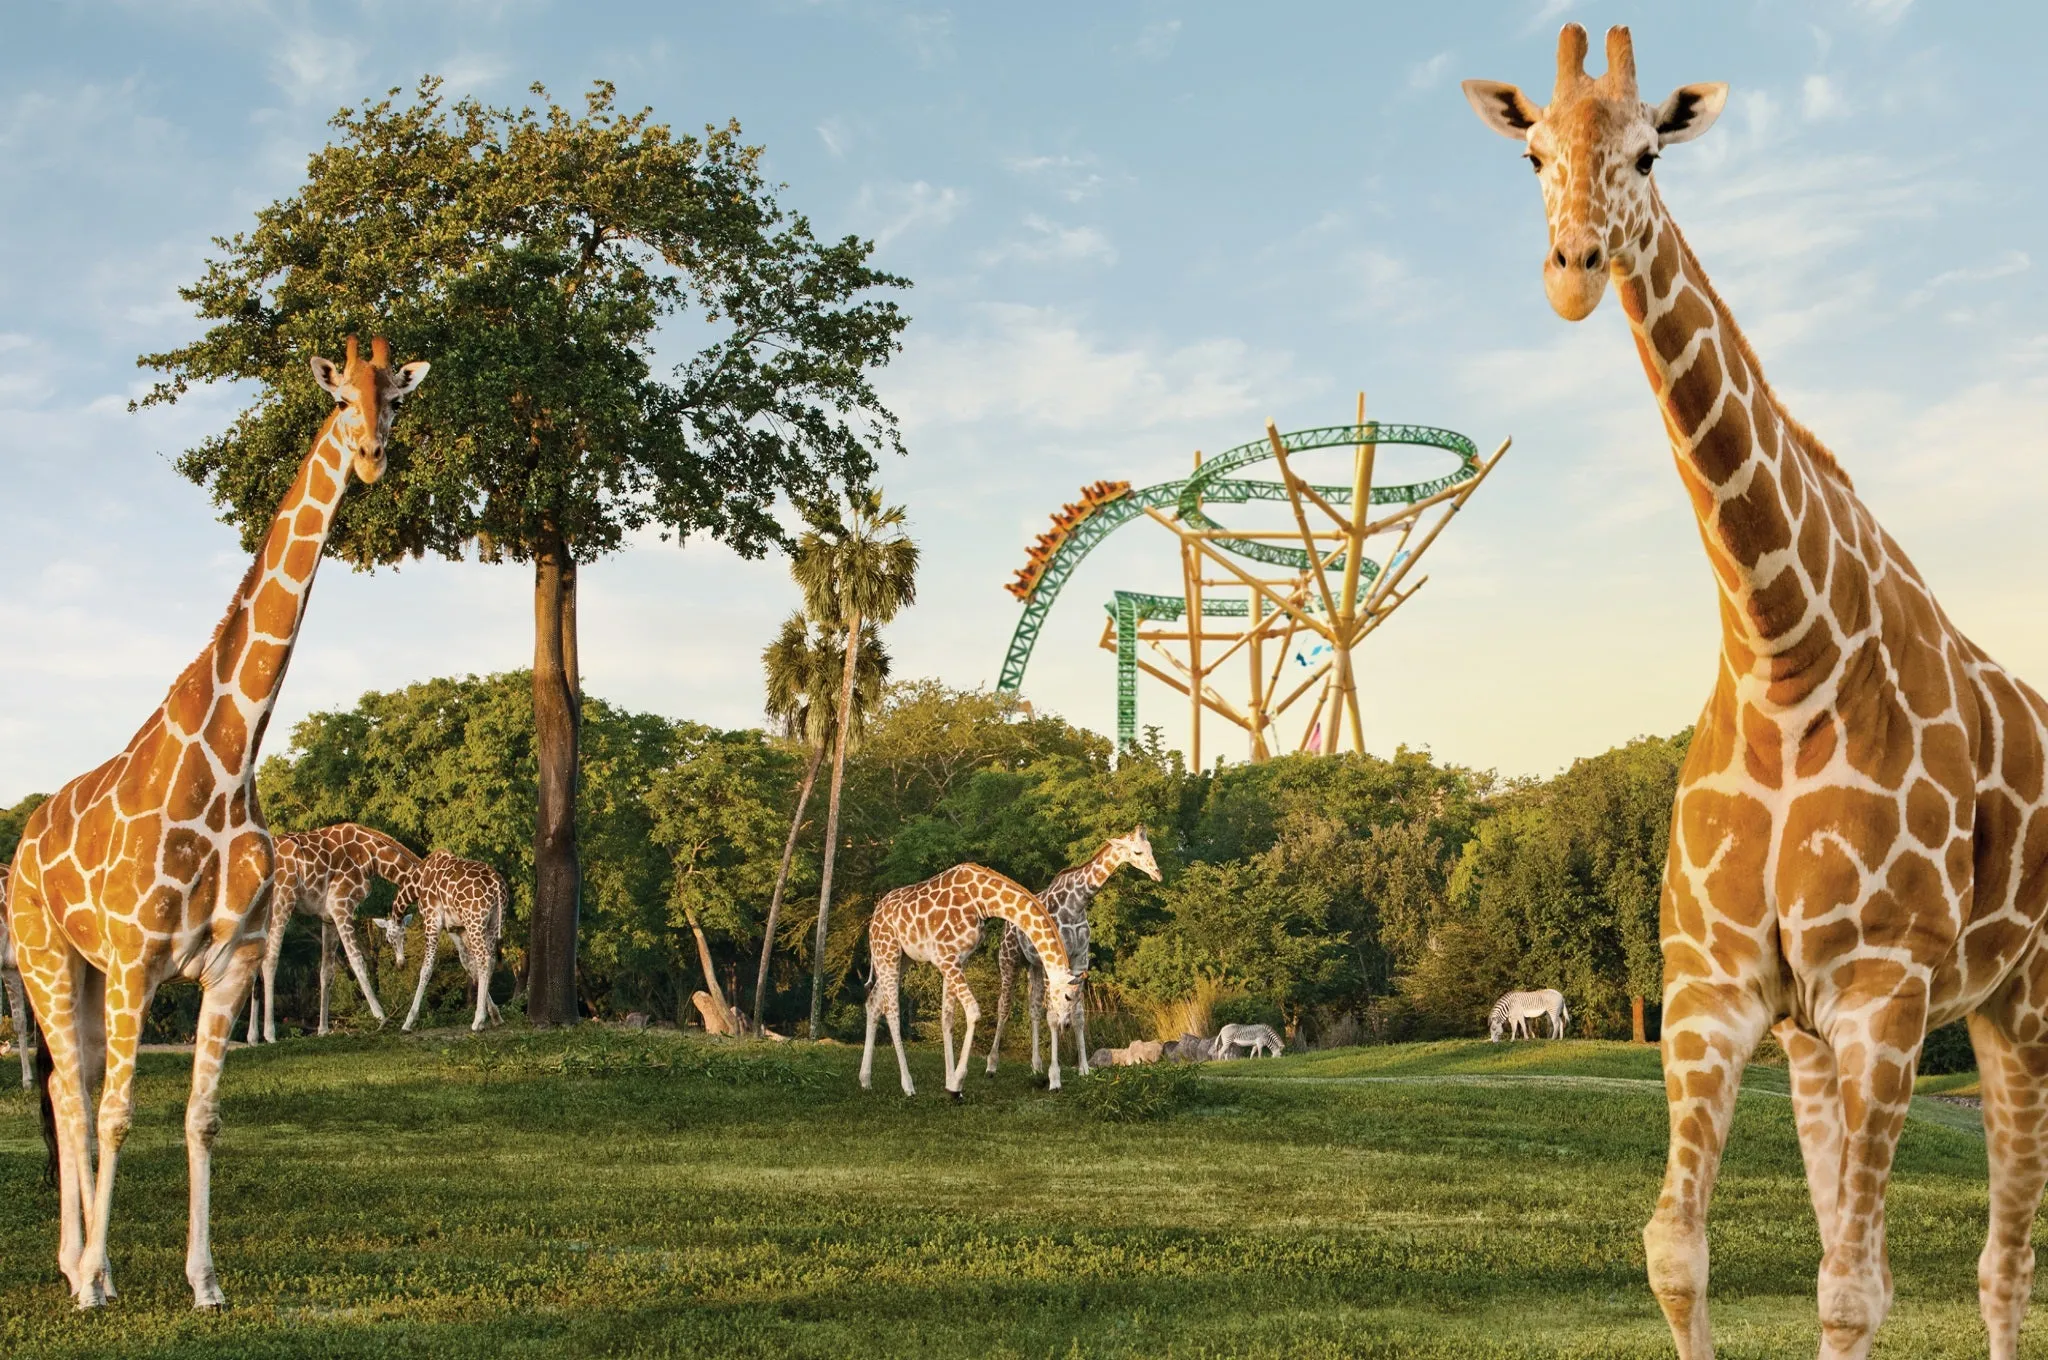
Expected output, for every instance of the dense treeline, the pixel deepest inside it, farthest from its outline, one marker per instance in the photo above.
(1402, 893)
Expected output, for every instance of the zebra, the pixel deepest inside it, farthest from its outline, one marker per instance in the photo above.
(1255, 1039)
(1512, 1013)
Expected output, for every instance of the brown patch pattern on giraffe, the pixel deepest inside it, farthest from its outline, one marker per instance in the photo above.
(157, 864)
(463, 899)
(939, 921)
(325, 875)
(1859, 844)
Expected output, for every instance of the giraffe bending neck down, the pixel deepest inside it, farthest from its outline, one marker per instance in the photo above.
(326, 874)
(157, 864)
(939, 922)
(1860, 836)
(464, 900)
(1067, 898)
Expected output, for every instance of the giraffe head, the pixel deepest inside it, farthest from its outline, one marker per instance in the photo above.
(394, 934)
(1593, 148)
(368, 395)
(1136, 851)
(1062, 993)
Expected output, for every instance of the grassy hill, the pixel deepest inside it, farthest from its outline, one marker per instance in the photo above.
(605, 1194)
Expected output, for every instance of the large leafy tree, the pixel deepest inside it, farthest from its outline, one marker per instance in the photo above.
(535, 257)
(857, 570)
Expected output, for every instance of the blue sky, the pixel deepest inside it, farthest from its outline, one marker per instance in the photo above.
(1136, 230)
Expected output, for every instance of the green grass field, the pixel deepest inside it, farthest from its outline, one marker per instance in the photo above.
(605, 1194)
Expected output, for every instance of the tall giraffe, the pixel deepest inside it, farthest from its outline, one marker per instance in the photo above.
(1067, 898)
(157, 864)
(939, 922)
(325, 874)
(10, 982)
(1860, 833)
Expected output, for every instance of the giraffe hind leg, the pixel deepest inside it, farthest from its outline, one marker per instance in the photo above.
(1007, 971)
(359, 966)
(428, 947)
(54, 988)
(1817, 1109)
(24, 1028)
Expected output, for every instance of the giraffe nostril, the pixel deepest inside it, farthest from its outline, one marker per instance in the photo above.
(1557, 257)
(1593, 258)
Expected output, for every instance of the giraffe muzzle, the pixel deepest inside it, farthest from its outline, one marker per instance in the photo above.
(1575, 275)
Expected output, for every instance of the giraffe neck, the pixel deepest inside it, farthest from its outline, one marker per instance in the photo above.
(1073, 889)
(1772, 505)
(245, 663)
(1030, 916)
(391, 860)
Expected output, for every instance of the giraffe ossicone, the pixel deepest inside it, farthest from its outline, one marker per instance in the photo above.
(1067, 898)
(157, 864)
(939, 921)
(1859, 846)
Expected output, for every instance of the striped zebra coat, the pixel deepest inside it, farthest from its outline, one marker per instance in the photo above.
(1512, 1013)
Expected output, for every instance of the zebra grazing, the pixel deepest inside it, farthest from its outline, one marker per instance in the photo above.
(1255, 1039)
(1512, 1013)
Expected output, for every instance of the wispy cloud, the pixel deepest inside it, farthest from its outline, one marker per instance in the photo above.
(1073, 177)
(1050, 243)
(837, 136)
(2004, 267)
(1427, 75)
(1820, 99)
(312, 67)
(927, 36)
(1155, 40)
(894, 209)
(1882, 12)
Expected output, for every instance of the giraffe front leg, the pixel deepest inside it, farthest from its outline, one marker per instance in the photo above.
(1081, 1033)
(273, 946)
(1817, 1109)
(1052, 1035)
(1877, 1047)
(326, 972)
(359, 966)
(1035, 1000)
(217, 1006)
(54, 993)
(480, 969)
(2015, 1086)
(972, 1011)
(428, 948)
(1710, 1029)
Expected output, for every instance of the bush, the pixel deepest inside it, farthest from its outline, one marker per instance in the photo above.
(1131, 1095)
(1948, 1050)
(1248, 1010)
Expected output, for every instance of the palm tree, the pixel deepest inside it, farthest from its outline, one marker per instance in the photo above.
(855, 572)
(803, 674)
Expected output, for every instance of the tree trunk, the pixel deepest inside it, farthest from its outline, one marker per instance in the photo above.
(796, 824)
(1635, 1015)
(551, 938)
(832, 824)
(721, 1013)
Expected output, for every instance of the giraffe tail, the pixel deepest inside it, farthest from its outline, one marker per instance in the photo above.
(46, 1068)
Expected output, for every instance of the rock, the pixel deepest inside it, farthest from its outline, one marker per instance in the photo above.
(635, 1020)
(1102, 1057)
(1146, 1051)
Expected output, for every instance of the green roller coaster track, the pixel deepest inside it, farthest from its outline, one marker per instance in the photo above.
(1186, 497)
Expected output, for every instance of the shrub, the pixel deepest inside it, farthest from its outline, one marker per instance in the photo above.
(1248, 1010)
(1948, 1050)
(1131, 1095)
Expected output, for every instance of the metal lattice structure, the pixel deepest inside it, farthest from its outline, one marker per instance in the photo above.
(1304, 602)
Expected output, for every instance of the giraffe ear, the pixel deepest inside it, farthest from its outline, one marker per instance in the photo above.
(328, 376)
(408, 378)
(1504, 108)
(1689, 111)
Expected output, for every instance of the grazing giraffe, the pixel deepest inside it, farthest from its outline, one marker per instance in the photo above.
(460, 898)
(1067, 898)
(10, 980)
(1859, 848)
(157, 864)
(325, 874)
(939, 922)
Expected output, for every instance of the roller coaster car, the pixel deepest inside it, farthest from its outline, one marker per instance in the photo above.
(1093, 497)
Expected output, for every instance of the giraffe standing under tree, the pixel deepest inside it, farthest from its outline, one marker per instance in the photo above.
(1861, 831)
(463, 899)
(325, 874)
(1067, 898)
(939, 921)
(157, 864)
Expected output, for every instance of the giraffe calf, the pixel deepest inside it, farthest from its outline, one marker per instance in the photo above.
(464, 900)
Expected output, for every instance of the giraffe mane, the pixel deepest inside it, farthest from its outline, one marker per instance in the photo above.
(1817, 453)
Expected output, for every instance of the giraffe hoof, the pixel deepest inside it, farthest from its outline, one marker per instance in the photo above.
(959, 1097)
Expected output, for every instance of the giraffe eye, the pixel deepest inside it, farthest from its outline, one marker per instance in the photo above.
(1645, 161)
(1535, 162)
